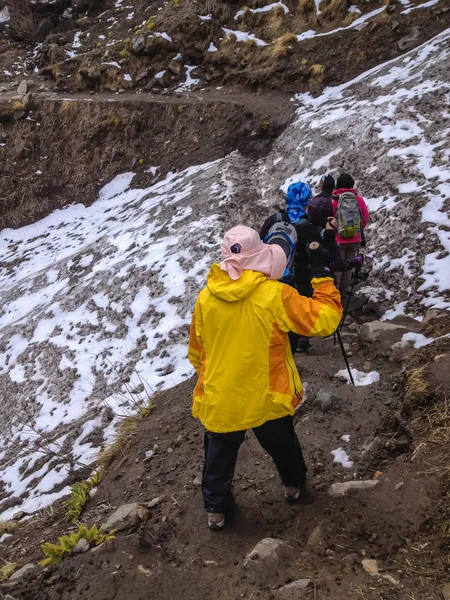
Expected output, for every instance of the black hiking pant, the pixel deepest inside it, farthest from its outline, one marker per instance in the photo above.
(277, 437)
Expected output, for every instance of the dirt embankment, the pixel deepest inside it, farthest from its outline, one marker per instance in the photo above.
(66, 150)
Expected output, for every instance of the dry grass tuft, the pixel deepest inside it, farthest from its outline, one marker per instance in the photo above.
(417, 388)
(334, 10)
(125, 433)
(316, 73)
(7, 527)
(307, 7)
(69, 110)
(282, 46)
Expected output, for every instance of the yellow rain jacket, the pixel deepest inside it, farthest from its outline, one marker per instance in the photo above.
(240, 348)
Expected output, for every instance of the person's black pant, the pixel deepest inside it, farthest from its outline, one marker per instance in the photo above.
(277, 437)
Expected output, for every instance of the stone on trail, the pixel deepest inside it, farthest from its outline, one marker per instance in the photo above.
(21, 573)
(341, 489)
(291, 590)
(446, 591)
(326, 400)
(316, 537)
(82, 547)
(371, 332)
(265, 560)
(370, 566)
(125, 517)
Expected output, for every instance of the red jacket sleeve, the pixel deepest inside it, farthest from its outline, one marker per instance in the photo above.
(364, 211)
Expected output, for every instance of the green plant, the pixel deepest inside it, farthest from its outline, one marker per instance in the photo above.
(250, 43)
(176, 3)
(7, 570)
(150, 24)
(55, 553)
(265, 125)
(180, 108)
(116, 121)
(79, 496)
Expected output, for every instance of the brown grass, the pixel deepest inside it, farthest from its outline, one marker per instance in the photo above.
(307, 7)
(334, 10)
(125, 434)
(7, 527)
(282, 46)
(316, 73)
(417, 388)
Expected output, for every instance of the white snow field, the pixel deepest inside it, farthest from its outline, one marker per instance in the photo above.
(95, 301)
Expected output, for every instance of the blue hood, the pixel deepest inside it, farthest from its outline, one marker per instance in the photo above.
(297, 199)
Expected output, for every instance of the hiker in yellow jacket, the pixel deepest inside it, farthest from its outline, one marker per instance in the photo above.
(247, 378)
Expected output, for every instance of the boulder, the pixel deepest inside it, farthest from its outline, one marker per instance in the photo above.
(125, 517)
(381, 330)
(292, 591)
(265, 560)
(341, 489)
(409, 41)
(446, 591)
(23, 572)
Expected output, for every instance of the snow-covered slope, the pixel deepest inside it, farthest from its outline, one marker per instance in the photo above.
(390, 128)
(97, 300)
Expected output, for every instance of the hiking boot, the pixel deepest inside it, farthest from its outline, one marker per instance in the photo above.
(216, 521)
(303, 347)
(292, 493)
(300, 493)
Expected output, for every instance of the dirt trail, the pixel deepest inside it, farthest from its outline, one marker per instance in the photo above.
(174, 555)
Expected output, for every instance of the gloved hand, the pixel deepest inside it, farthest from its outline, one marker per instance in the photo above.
(319, 260)
(359, 261)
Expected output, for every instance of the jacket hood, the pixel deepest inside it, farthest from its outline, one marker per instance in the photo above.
(222, 286)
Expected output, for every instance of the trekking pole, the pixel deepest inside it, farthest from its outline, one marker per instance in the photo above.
(341, 324)
(344, 354)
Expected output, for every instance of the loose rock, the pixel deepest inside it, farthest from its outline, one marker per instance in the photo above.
(446, 591)
(399, 485)
(264, 561)
(408, 41)
(341, 489)
(291, 590)
(370, 566)
(22, 90)
(125, 517)
(316, 537)
(9, 503)
(23, 572)
(82, 547)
